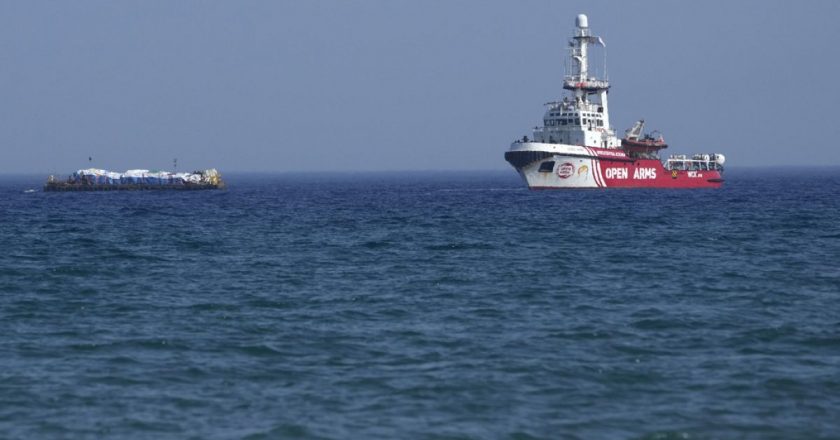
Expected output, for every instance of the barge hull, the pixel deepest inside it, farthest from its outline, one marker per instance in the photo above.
(69, 187)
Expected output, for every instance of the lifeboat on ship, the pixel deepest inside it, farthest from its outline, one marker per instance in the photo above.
(635, 143)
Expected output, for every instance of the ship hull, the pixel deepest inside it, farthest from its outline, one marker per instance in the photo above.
(559, 166)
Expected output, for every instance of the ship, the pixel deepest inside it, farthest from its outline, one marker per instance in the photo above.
(577, 148)
(93, 179)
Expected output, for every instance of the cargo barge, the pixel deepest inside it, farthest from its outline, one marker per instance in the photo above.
(93, 179)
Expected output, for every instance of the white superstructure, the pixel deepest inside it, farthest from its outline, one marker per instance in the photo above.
(583, 118)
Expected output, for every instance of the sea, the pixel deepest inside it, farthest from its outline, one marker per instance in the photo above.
(422, 305)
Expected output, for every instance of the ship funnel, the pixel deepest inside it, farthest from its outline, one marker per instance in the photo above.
(581, 21)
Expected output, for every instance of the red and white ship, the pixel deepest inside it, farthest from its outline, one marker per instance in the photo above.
(577, 148)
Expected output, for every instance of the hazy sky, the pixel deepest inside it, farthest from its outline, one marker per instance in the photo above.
(400, 85)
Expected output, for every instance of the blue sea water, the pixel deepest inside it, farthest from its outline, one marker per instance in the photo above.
(422, 305)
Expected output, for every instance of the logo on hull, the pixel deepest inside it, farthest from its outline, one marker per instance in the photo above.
(565, 170)
(582, 170)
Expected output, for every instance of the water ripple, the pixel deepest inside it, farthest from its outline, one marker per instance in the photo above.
(448, 306)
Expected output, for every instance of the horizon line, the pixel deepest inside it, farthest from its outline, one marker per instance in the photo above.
(420, 171)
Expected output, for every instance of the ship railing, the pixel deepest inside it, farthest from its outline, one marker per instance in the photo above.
(680, 164)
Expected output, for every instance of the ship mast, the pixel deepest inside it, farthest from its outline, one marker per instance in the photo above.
(579, 81)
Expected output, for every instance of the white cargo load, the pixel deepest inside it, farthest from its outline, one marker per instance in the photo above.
(146, 177)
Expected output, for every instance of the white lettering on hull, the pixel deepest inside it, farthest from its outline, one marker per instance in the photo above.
(624, 173)
(644, 173)
(616, 173)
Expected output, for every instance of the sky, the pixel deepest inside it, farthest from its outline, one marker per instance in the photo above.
(391, 85)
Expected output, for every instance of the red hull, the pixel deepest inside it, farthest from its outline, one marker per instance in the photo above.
(619, 171)
(649, 173)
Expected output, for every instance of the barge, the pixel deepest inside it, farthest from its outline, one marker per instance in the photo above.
(93, 179)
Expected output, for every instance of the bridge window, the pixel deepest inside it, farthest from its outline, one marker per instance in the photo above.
(577, 121)
(547, 167)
